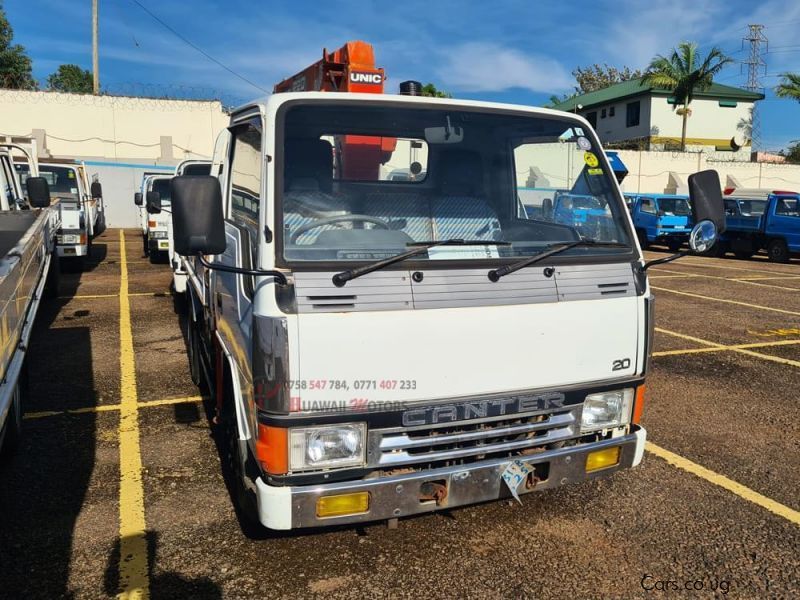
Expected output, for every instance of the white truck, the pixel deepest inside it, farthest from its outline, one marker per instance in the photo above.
(80, 204)
(187, 167)
(155, 224)
(28, 228)
(379, 348)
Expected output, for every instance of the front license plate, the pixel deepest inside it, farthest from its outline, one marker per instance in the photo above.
(515, 475)
(163, 245)
(69, 250)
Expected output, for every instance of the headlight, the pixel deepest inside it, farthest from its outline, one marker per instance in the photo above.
(329, 446)
(159, 235)
(607, 409)
(69, 239)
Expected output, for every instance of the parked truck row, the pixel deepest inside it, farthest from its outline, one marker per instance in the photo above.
(28, 271)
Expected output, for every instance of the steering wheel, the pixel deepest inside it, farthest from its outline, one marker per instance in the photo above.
(340, 219)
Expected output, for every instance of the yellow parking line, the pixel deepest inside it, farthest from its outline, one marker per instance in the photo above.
(740, 350)
(722, 348)
(134, 581)
(168, 401)
(110, 407)
(744, 492)
(747, 282)
(758, 306)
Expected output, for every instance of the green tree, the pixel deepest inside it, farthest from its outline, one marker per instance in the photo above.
(16, 69)
(792, 153)
(597, 77)
(685, 72)
(789, 86)
(431, 91)
(71, 79)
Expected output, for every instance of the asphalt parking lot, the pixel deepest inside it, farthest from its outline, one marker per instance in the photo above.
(713, 510)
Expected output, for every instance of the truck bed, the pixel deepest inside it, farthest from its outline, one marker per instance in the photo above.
(13, 226)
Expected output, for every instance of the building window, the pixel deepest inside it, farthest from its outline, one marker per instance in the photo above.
(592, 118)
(727, 103)
(611, 111)
(632, 114)
(603, 114)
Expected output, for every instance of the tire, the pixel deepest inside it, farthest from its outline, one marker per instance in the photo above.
(244, 500)
(144, 245)
(642, 235)
(193, 343)
(101, 225)
(778, 251)
(11, 434)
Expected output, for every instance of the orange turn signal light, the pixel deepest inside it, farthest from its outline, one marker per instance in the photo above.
(272, 449)
(638, 405)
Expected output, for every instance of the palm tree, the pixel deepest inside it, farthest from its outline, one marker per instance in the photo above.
(684, 73)
(789, 87)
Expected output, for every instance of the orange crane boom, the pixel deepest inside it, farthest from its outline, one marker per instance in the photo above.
(351, 68)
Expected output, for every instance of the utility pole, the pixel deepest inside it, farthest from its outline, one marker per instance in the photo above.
(756, 67)
(95, 58)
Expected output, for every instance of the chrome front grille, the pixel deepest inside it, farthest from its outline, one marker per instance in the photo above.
(469, 441)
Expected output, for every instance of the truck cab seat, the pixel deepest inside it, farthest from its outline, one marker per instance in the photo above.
(460, 209)
(408, 212)
(308, 188)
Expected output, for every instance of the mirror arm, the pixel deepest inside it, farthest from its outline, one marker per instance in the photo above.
(661, 261)
(279, 277)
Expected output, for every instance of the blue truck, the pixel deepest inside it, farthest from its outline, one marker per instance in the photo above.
(660, 219)
(770, 222)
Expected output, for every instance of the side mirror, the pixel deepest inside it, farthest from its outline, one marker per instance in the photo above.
(137, 199)
(703, 236)
(97, 190)
(705, 196)
(153, 202)
(198, 225)
(38, 192)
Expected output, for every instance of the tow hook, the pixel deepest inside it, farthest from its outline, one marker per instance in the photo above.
(433, 491)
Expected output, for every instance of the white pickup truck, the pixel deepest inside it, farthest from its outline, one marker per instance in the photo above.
(28, 228)
(381, 348)
(80, 203)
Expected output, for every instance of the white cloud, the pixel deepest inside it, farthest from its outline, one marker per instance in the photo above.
(487, 67)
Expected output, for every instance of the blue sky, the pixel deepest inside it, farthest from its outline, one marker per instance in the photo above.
(519, 51)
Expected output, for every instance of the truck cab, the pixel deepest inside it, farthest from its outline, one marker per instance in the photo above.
(661, 219)
(762, 221)
(189, 167)
(80, 205)
(153, 198)
(381, 348)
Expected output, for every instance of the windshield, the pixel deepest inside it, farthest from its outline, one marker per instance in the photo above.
(674, 207)
(363, 183)
(62, 180)
(162, 186)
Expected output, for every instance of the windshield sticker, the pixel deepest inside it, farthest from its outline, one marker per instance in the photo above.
(73, 190)
(590, 159)
(584, 144)
(578, 131)
(595, 171)
(71, 174)
(462, 252)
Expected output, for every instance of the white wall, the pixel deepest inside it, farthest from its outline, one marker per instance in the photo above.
(120, 137)
(708, 121)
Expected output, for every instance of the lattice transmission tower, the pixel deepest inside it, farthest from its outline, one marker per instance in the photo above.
(756, 69)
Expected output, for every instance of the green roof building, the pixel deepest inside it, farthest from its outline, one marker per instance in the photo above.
(634, 115)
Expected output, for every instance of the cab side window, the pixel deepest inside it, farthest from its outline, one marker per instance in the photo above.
(245, 176)
(788, 207)
(648, 206)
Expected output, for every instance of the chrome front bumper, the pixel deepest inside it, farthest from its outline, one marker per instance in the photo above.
(398, 496)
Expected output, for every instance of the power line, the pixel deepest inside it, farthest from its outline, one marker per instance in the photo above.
(200, 50)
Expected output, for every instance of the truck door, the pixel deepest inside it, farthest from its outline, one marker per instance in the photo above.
(233, 293)
(785, 222)
(646, 217)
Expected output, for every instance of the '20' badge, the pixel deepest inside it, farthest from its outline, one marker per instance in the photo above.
(620, 365)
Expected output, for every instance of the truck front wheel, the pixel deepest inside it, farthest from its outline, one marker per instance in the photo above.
(778, 251)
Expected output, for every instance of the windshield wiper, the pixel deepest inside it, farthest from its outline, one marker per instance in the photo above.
(341, 278)
(496, 274)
